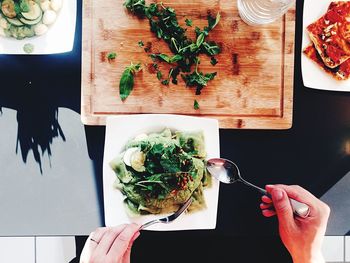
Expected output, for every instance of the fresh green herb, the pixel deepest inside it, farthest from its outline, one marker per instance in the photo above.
(168, 59)
(141, 44)
(174, 74)
(111, 55)
(155, 66)
(165, 82)
(213, 61)
(211, 48)
(153, 57)
(196, 105)
(198, 79)
(164, 24)
(200, 40)
(159, 75)
(136, 7)
(126, 84)
(213, 22)
(188, 22)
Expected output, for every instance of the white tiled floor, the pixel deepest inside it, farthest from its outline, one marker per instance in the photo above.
(333, 248)
(347, 249)
(17, 249)
(55, 249)
(62, 249)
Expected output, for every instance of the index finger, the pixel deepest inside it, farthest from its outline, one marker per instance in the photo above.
(299, 194)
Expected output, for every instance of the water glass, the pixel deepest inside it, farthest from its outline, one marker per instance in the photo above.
(259, 12)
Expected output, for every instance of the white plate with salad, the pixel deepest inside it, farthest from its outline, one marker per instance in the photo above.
(153, 163)
(37, 26)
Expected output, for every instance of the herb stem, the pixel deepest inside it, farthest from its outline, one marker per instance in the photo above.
(173, 40)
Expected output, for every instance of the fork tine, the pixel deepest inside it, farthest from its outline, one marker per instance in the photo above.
(181, 210)
(171, 217)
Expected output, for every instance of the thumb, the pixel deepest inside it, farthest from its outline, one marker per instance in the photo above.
(283, 207)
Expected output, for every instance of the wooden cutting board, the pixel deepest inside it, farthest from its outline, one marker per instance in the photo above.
(254, 84)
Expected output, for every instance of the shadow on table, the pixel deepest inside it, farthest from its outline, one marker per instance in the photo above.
(36, 101)
(38, 126)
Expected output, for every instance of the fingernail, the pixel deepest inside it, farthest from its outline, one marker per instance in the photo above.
(277, 194)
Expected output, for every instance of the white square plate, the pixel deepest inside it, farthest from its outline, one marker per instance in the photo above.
(58, 39)
(119, 130)
(313, 75)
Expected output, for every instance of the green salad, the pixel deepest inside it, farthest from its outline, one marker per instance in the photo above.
(158, 172)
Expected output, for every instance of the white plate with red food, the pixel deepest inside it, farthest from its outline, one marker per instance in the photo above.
(37, 27)
(326, 45)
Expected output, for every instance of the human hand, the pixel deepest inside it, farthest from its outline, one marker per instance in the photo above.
(302, 237)
(110, 244)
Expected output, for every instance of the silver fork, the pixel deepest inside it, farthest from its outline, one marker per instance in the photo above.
(169, 218)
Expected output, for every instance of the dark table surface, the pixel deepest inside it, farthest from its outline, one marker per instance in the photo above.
(314, 153)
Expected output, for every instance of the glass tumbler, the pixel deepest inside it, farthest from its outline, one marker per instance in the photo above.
(259, 12)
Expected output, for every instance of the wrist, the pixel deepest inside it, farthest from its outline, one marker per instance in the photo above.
(312, 258)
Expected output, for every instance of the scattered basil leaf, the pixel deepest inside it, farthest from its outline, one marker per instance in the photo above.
(136, 7)
(188, 22)
(200, 40)
(213, 61)
(168, 59)
(165, 82)
(159, 75)
(196, 105)
(211, 48)
(198, 80)
(111, 55)
(141, 44)
(126, 84)
(213, 22)
(164, 24)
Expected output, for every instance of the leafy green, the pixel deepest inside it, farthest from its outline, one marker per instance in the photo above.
(126, 84)
(165, 82)
(111, 55)
(159, 75)
(198, 79)
(213, 22)
(200, 40)
(174, 74)
(211, 48)
(164, 24)
(136, 7)
(188, 22)
(213, 61)
(196, 105)
(168, 59)
(174, 168)
(141, 44)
